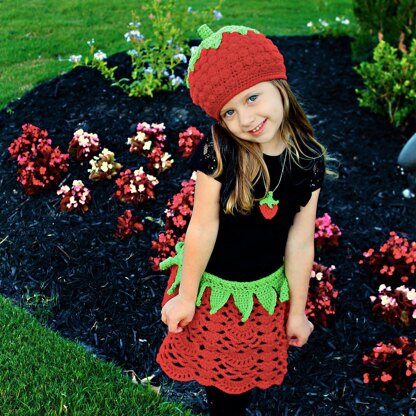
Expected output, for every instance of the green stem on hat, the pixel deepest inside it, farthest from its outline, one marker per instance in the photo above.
(212, 40)
(204, 31)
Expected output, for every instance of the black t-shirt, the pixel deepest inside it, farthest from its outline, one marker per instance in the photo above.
(249, 247)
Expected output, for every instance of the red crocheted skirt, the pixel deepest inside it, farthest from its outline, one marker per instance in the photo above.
(222, 351)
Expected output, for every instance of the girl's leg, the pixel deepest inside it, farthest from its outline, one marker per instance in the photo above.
(221, 403)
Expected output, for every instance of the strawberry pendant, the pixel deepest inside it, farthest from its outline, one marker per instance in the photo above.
(269, 206)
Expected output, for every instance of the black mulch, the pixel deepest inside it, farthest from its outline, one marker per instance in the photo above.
(108, 297)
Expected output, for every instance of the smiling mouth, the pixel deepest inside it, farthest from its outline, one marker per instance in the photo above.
(258, 128)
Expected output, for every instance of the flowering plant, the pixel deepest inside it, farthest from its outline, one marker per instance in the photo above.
(339, 27)
(188, 140)
(164, 247)
(159, 161)
(391, 366)
(319, 305)
(326, 233)
(156, 57)
(395, 307)
(396, 260)
(41, 165)
(75, 198)
(28, 140)
(103, 166)
(83, 145)
(178, 214)
(135, 187)
(147, 138)
(149, 141)
(127, 224)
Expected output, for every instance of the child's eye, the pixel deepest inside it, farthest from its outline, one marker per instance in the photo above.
(252, 98)
(228, 113)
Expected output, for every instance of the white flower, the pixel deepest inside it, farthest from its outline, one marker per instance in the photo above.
(165, 72)
(105, 152)
(149, 70)
(133, 35)
(324, 23)
(76, 183)
(309, 24)
(133, 189)
(141, 188)
(217, 15)
(135, 24)
(100, 56)
(104, 167)
(411, 295)
(75, 58)
(189, 9)
(194, 49)
(132, 52)
(338, 19)
(64, 189)
(387, 300)
(381, 287)
(176, 80)
(91, 42)
(345, 22)
(147, 145)
(181, 57)
(319, 276)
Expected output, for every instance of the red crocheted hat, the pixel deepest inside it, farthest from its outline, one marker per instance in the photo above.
(229, 61)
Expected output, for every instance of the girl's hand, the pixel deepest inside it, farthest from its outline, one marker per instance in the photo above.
(177, 313)
(298, 329)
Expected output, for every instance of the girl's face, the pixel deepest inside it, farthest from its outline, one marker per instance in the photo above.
(256, 115)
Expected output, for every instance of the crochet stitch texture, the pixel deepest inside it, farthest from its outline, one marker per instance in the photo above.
(265, 289)
(220, 350)
(229, 61)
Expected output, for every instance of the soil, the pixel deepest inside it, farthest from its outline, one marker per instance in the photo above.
(107, 296)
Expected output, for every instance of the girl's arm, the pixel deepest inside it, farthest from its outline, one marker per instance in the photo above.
(199, 243)
(299, 256)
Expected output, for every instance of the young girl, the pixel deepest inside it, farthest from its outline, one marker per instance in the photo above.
(249, 246)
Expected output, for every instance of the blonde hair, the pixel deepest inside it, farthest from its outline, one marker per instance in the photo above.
(246, 158)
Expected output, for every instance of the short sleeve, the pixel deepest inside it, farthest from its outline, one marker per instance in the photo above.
(309, 179)
(317, 174)
(204, 158)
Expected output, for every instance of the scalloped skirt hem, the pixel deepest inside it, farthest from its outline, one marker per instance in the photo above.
(222, 351)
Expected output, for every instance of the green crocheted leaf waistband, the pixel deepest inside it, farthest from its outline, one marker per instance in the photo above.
(265, 289)
(212, 40)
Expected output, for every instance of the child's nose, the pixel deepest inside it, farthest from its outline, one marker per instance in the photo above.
(247, 119)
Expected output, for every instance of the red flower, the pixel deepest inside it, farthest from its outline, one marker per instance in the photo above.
(188, 140)
(127, 224)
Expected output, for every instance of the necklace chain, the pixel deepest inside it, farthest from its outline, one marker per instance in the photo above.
(281, 174)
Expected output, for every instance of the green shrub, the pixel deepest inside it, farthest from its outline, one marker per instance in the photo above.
(159, 47)
(394, 20)
(390, 83)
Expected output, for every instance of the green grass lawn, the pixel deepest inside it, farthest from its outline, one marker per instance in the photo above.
(38, 36)
(41, 373)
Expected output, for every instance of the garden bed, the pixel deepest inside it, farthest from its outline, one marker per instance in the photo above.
(107, 295)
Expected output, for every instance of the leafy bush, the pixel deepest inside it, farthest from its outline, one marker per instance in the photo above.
(392, 20)
(390, 83)
(158, 50)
